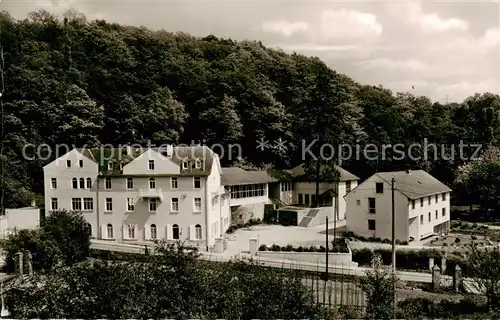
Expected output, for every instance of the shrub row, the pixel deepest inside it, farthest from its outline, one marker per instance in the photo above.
(338, 246)
(466, 308)
(290, 248)
(352, 236)
(251, 222)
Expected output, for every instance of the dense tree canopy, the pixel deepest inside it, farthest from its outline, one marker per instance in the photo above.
(84, 83)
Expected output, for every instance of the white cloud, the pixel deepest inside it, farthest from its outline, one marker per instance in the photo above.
(433, 22)
(412, 12)
(400, 65)
(284, 28)
(349, 24)
(463, 89)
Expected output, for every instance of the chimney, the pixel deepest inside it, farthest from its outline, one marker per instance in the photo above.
(408, 171)
(33, 203)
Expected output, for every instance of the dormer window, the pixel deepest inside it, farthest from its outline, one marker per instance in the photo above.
(197, 164)
(184, 164)
(110, 165)
(151, 165)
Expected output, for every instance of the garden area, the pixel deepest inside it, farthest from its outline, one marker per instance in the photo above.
(337, 246)
(459, 241)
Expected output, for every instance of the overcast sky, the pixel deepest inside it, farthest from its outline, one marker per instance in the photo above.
(441, 48)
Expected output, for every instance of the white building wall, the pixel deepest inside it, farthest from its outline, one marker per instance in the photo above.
(64, 191)
(22, 218)
(358, 212)
(163, 165)
(426, 227)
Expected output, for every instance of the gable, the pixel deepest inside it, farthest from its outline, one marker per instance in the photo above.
(162, 164)
(74, 156)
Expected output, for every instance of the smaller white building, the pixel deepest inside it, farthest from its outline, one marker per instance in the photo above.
(19, 219)
(422, 206)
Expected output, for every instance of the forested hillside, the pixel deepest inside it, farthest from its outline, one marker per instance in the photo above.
(91, 83)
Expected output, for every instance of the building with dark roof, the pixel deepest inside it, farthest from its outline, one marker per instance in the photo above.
(422, 206)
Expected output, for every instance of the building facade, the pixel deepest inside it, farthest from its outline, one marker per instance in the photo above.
(422, 206)
(139, 195)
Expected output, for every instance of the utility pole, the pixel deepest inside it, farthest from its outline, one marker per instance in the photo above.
(393, 244)
(393, 228)
(326, 247)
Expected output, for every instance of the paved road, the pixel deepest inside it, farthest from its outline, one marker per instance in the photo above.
(289, 264)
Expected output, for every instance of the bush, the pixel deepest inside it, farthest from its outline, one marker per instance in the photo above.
(457, 240)
(275, 247)
(289, 248)
(300, 249)
(262, 247)
(313, 249)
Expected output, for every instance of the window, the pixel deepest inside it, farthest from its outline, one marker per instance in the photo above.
(347, 186)
(53, 183)
(421, 202)
(371, 205)
(53, 204)
(175, 204)
(184, 164)
(429, 217)
(109, 204)
(429, 200)
(109, 231)
(68, 163)
(421, 219)
(197, 204)
(110, 165)
(286, 186)
(313, 199)
(175, 232)
(379, 187)
(75, 183)
(131, 231)
(152, 205)
(436, 214)
(76, 204)
(82, 183)
(371, 224)
(152, 183)
(437, 198)
(107, 184)
(443, 213)
(173, 183)
(197, 164)
(88, 204)
(358, 202)
(80, 163)
(89, 183)
(413, 204)
(301, 198)
(121, 166)
(152, 230)
(444, 196)
(130, 183)
(249, 190)
(130, 204)
(151, 165)
(197, 182)
(306, 199)
(197, 233)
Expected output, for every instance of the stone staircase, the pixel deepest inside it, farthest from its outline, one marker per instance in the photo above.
(308, 218)
(278, 203)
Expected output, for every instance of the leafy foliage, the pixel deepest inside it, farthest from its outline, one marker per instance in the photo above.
(62, 240)
(175, 285)
(83, 82)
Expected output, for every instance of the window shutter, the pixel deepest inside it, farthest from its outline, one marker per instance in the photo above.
(192, 232)
(147, 232)
(125, 232)
(169, 232)
(136, 231)
(104, 231)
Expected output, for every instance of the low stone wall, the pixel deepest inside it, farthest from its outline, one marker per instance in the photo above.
(341, 259)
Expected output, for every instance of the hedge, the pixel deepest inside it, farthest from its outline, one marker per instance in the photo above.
(251, 222)
(339, 246)
(352, 235)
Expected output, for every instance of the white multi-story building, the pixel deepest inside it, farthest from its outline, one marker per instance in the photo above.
(129, 194)
(422, 206)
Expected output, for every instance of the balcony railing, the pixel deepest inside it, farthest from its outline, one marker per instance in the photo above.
(151, 193)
